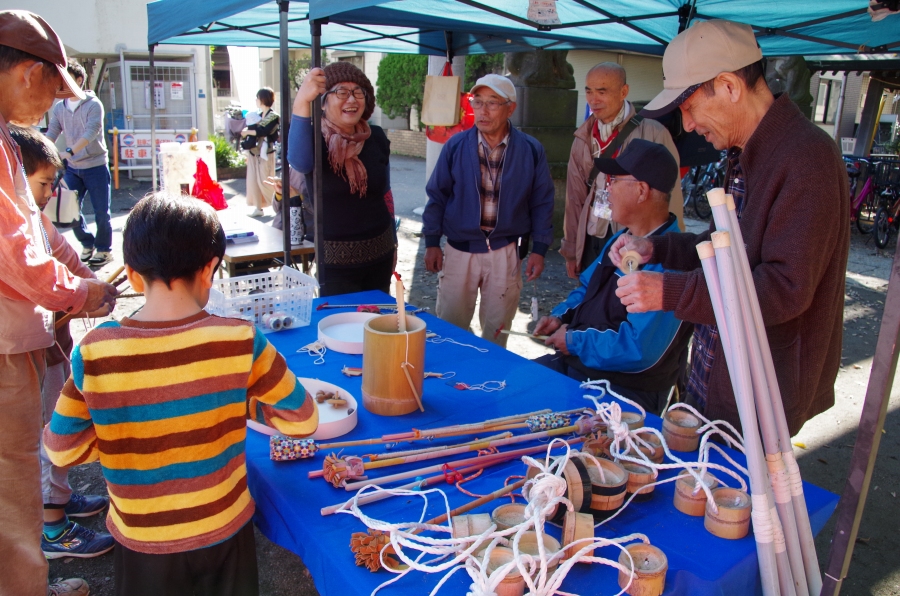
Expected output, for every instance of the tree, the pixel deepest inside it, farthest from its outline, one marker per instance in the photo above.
(478, 65)
(401, 84)
(298, 68)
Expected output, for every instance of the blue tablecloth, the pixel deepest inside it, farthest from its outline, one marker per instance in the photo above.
(288, 503)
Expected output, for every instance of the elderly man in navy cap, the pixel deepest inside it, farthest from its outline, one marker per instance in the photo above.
(640, 354)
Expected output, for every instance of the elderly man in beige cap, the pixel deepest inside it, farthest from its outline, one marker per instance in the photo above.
(490, 192)
(790, 188)
(35, 281)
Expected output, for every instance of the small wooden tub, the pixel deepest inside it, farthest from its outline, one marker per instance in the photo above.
(650, 566)
(578, 487)
(654, 452)
(638, 477)
(471, 525)
(608, 489)
(679, 429)
(508, 515)
(733, 518)
(577, 526)
(528, 544)
(511, 585)
(687, 502)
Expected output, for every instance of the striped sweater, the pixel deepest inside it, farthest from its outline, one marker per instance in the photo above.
(163, 406)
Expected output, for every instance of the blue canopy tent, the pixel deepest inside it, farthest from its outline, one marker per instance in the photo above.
(458, 27)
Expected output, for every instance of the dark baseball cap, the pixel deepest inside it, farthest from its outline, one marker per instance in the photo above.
(30, 33)
(647, 161)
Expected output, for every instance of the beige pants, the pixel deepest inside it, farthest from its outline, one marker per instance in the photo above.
(496, 273)
(259, 195)
(21, 521)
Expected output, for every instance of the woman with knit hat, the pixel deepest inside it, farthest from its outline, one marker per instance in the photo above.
(359, 236)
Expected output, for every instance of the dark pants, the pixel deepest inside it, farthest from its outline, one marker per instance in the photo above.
(224, 569)
(652, 401)
(93, 183)
(375, 275)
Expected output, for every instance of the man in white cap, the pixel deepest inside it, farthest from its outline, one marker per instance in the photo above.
(33, 284)
(613, 124)
(790, 187)
(490, 192)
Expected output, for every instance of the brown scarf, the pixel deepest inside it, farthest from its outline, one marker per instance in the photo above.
(343, 153)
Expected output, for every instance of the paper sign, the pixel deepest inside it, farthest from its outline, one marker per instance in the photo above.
(176, 90)
(159, 95)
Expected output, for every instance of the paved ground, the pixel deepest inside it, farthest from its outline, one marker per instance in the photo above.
(823, 448)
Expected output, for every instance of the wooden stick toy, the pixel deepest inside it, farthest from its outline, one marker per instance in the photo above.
(110, 280)
(631, 260)
(522, 333)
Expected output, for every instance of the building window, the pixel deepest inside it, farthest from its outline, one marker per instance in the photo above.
(827, 101)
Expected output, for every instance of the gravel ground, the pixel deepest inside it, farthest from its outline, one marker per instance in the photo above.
(824, 444)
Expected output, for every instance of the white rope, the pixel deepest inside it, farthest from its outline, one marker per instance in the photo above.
(793, 469)
(437, 339)
(762, 519)
(488, 386)
(316, 348)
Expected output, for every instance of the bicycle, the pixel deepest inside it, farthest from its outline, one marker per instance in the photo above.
(887, 217)
(698, 181)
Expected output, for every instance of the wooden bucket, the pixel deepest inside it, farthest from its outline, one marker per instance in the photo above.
(528, 544)
(578, 487)
(689, 503)
(680, 430)
(608, 491)
(650, 566)
(508, 515)
(639, 477)
(385, 387)
(511, 585)
(577, 526)
(733, 518)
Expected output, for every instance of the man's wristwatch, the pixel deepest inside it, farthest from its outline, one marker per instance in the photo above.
(70, 152)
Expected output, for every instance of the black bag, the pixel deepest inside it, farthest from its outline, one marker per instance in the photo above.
(248, 142)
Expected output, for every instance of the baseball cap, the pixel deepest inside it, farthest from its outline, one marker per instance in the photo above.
(498, 84)
(30, 33)
(699, 54)
(647, 161)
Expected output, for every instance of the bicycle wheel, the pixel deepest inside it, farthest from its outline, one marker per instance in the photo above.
(700, 202)
(882, 228)
(865, 212)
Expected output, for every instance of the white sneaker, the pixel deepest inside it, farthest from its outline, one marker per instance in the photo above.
(256, 212)
(86, 254)
(69, 587)
(100, 259)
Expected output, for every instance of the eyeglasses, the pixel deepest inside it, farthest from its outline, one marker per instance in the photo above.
(343, 93)
(614, 179)
(491, 105)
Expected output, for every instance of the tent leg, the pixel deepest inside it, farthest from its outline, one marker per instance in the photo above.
(315, 27)
(868, 438)
(286, 87)
(154, 164)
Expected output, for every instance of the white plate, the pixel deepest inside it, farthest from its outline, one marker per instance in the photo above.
(343, 332)
(333, 422)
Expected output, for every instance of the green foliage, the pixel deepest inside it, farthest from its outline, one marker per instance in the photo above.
(401, 84)
(298, 68)
(478, 65)
(226, 155)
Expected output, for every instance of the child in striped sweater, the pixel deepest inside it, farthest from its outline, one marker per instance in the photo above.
(161, 398)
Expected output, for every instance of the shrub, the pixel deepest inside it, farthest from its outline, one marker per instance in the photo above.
(226, 155)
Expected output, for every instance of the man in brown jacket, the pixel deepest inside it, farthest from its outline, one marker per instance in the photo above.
(792, 196)
(587, 224)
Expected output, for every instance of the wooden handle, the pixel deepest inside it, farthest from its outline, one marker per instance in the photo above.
(478, 502)
(108, 280)
(508, 332)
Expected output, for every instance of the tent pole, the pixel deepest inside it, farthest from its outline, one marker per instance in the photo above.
(315, 27)
(154, 164)
(868, 438)
(283, 7)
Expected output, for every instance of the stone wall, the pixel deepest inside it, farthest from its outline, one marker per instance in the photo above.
(407, 142)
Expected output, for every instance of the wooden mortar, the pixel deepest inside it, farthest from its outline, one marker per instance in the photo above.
(679, 429)
(687, 502)
(511, 585)
(650, 566)
(733, 518)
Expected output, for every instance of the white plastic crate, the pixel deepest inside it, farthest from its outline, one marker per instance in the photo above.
(848, 144)
(264, 297)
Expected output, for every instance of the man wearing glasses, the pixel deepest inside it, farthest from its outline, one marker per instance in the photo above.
(490, 192)
(594, 335)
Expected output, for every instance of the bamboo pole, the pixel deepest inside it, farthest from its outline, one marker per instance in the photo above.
(762, 395)
(795, 483)
(387, 454)
(65, 319)
(506, 456)
(724, 307)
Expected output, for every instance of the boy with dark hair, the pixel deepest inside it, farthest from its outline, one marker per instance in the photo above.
(61, 537)
(161, 398)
